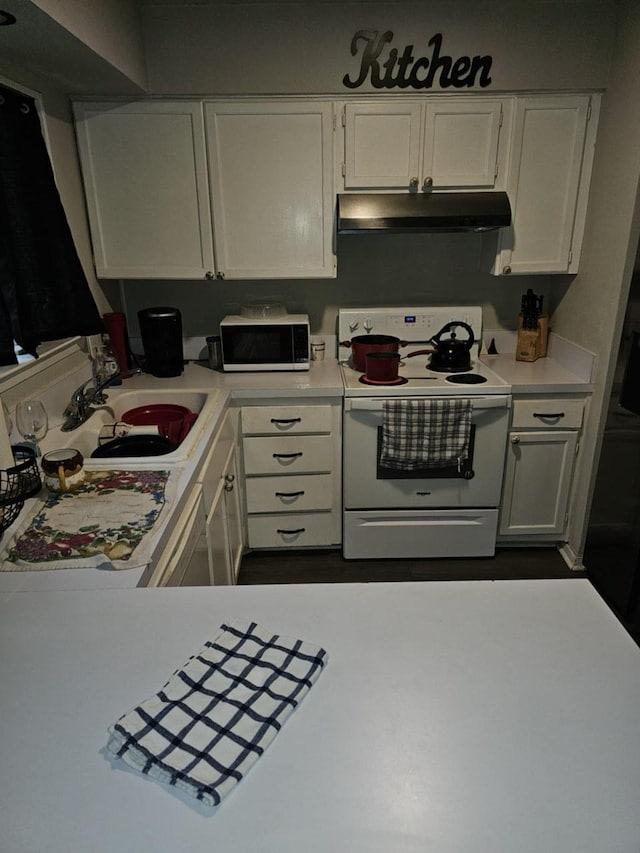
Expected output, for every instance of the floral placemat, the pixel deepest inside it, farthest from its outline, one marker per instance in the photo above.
(105, 520)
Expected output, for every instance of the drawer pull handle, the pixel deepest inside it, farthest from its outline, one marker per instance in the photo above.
(286, 455)
(285, 420)
(291, 532)
(289, 494)
(548, 416)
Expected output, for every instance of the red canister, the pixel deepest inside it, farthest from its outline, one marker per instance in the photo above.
(115, 324)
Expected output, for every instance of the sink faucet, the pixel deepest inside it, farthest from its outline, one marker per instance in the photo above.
(79, 408)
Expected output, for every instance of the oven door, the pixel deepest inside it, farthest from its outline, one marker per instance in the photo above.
(367, 487)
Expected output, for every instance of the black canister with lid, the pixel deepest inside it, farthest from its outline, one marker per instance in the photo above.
(161, 332)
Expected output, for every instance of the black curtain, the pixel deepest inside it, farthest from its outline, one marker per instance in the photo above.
(44, 294)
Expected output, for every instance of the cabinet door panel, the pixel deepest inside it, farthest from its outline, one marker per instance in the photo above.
(145, 176)
(218, 541)
(382, 144)
(537, 480)
(461, 143)
(233, 512)
(544, 178)
(271, 178)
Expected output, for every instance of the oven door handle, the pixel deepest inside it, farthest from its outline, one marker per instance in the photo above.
(478, 403)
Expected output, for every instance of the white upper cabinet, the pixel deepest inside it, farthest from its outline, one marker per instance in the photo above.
(271, 174)
(439, 143)
(549, 174)
(382, 144)
(145, 176)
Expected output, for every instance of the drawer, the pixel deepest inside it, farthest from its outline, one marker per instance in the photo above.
(292, 530)
(278, 420)
(289, 494)
(302, 454)
(548, 413)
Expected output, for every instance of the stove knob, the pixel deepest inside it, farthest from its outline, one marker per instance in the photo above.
(353, 326)
(368, 325)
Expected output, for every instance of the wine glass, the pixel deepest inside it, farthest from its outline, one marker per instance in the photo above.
(31, 420)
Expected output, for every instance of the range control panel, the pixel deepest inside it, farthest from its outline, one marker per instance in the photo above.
(410, 324)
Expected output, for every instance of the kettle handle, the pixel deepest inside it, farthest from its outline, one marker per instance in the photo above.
(453, 325)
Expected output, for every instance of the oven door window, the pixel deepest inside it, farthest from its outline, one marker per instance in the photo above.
(464, 470)
(258, 344)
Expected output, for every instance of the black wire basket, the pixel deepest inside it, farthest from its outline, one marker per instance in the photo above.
(17, 484)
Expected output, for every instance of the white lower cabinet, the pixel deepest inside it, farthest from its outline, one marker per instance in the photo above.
(224, 526)
(222, 492)
(541, 453)
(292, 463)
(183, 562)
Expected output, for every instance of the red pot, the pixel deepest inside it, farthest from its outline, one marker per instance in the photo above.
(362, 344)
(382, 366)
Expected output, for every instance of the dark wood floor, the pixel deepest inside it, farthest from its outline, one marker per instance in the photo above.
(323, 566)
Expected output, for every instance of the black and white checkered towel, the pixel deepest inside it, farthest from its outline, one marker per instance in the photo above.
(216, 715)
(425, 433)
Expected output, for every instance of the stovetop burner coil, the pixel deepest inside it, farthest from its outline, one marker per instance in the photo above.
(466, 378)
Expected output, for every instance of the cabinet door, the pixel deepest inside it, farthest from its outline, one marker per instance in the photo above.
(180, 556)
(543, 184)
(538, 474)
(461, 143)
(271, 172)
(218, 540)
(233, 513)
(382, 145)
(145, 178)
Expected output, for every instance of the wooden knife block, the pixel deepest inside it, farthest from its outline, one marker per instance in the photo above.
(532, 343)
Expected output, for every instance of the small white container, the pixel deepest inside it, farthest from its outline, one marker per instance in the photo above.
(318, 348)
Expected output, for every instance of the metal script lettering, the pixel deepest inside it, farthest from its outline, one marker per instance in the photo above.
(401, 71)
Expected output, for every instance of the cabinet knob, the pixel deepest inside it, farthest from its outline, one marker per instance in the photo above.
(229, 478)
(427, 183)
(506, 270)
(228, 487)
(220, 275)
(413, 183)
(515, 439)
(209, 275)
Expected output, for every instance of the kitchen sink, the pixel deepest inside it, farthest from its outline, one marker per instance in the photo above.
(85, 437)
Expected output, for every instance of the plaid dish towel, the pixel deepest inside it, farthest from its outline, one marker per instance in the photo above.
(216, 715)
(425, 433)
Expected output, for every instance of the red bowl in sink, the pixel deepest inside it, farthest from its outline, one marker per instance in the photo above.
(168, 417)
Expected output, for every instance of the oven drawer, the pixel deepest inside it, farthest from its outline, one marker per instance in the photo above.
(547, 413)
(289, 494)
(288, 455)
(276, 420)
(294, 530)
(415, 533)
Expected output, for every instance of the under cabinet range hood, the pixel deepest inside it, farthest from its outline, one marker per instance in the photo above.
(362, 213)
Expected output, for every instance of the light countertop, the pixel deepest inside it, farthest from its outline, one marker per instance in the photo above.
(453, 717)
(544, 376)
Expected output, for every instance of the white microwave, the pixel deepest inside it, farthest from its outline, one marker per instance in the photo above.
(280, 343)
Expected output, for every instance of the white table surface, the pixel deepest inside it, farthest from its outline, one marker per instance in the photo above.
(467, 717)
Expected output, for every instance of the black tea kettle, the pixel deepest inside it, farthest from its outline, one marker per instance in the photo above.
(450, 354)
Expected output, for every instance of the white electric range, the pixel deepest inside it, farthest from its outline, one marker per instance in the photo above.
(437, 512)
